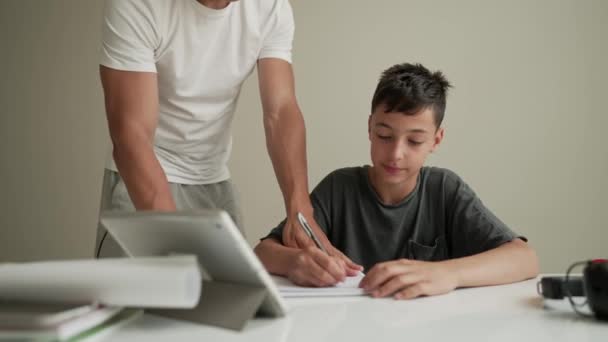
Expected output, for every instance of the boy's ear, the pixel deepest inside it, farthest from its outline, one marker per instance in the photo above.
(437, 138)
(369, 126)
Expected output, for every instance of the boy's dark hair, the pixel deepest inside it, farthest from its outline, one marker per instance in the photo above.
(409, 88)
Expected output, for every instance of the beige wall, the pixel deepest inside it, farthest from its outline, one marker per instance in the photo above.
(524, 122)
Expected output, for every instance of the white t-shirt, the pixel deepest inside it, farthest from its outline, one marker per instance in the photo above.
(201, 57)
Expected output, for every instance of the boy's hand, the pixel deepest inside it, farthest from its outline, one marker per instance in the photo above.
(350, 267)
(406, 279)
(295, 237)
(312, 267)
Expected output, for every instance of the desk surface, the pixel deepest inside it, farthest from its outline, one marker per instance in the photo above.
(496, 313)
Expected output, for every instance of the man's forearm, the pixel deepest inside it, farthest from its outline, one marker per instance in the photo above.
(131, 100)
(511, 262)
(286, 144)
(144, 178)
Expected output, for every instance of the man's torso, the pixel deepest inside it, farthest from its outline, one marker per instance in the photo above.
(201, 57)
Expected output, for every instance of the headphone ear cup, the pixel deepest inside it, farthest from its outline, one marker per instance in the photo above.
(596, 288)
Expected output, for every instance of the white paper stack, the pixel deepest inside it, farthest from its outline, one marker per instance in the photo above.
(152, 282)
(349, 287)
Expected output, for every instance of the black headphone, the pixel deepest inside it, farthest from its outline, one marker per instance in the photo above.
(593, 285)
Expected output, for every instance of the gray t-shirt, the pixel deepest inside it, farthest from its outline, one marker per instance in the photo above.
(440, 219)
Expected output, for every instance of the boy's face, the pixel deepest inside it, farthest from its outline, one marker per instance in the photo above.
(400, 144)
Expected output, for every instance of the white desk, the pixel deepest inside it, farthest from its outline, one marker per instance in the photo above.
(498, 313)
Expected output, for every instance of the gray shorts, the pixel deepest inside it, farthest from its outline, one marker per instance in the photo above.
(114, 197)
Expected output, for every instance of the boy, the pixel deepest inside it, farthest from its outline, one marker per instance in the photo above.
(416, 230)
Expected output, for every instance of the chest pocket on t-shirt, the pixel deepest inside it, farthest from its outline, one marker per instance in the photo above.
(418, 251)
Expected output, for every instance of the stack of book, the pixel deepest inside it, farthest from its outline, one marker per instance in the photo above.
(58, 322)
(64, 300)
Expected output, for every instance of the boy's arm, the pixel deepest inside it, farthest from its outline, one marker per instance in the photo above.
(306, 267)
(510, 262)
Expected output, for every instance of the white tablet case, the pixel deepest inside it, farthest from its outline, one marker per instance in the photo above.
(235, 284)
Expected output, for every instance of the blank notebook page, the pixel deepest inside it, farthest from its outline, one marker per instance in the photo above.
(348, 287)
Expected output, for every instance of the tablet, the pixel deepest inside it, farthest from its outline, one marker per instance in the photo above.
(211, 235)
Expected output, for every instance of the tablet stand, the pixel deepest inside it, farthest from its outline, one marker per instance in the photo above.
(222, 304)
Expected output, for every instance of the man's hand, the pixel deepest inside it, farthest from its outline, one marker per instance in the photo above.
(312, 267)
(406, 279)
(295, 237)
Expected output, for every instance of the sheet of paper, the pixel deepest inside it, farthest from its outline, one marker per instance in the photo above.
(349, 287)
(153, 282)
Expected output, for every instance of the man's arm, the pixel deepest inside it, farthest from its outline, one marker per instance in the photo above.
(131, 100)
(510, 262)
(286, 144)
(305, 267)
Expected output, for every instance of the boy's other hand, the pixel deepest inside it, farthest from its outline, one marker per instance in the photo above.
(406, 279)
(295, 237)
(312, 267)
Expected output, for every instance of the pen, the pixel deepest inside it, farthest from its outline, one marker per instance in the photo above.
(306, 227)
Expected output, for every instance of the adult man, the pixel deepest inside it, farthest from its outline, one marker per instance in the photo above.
(171, 73)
